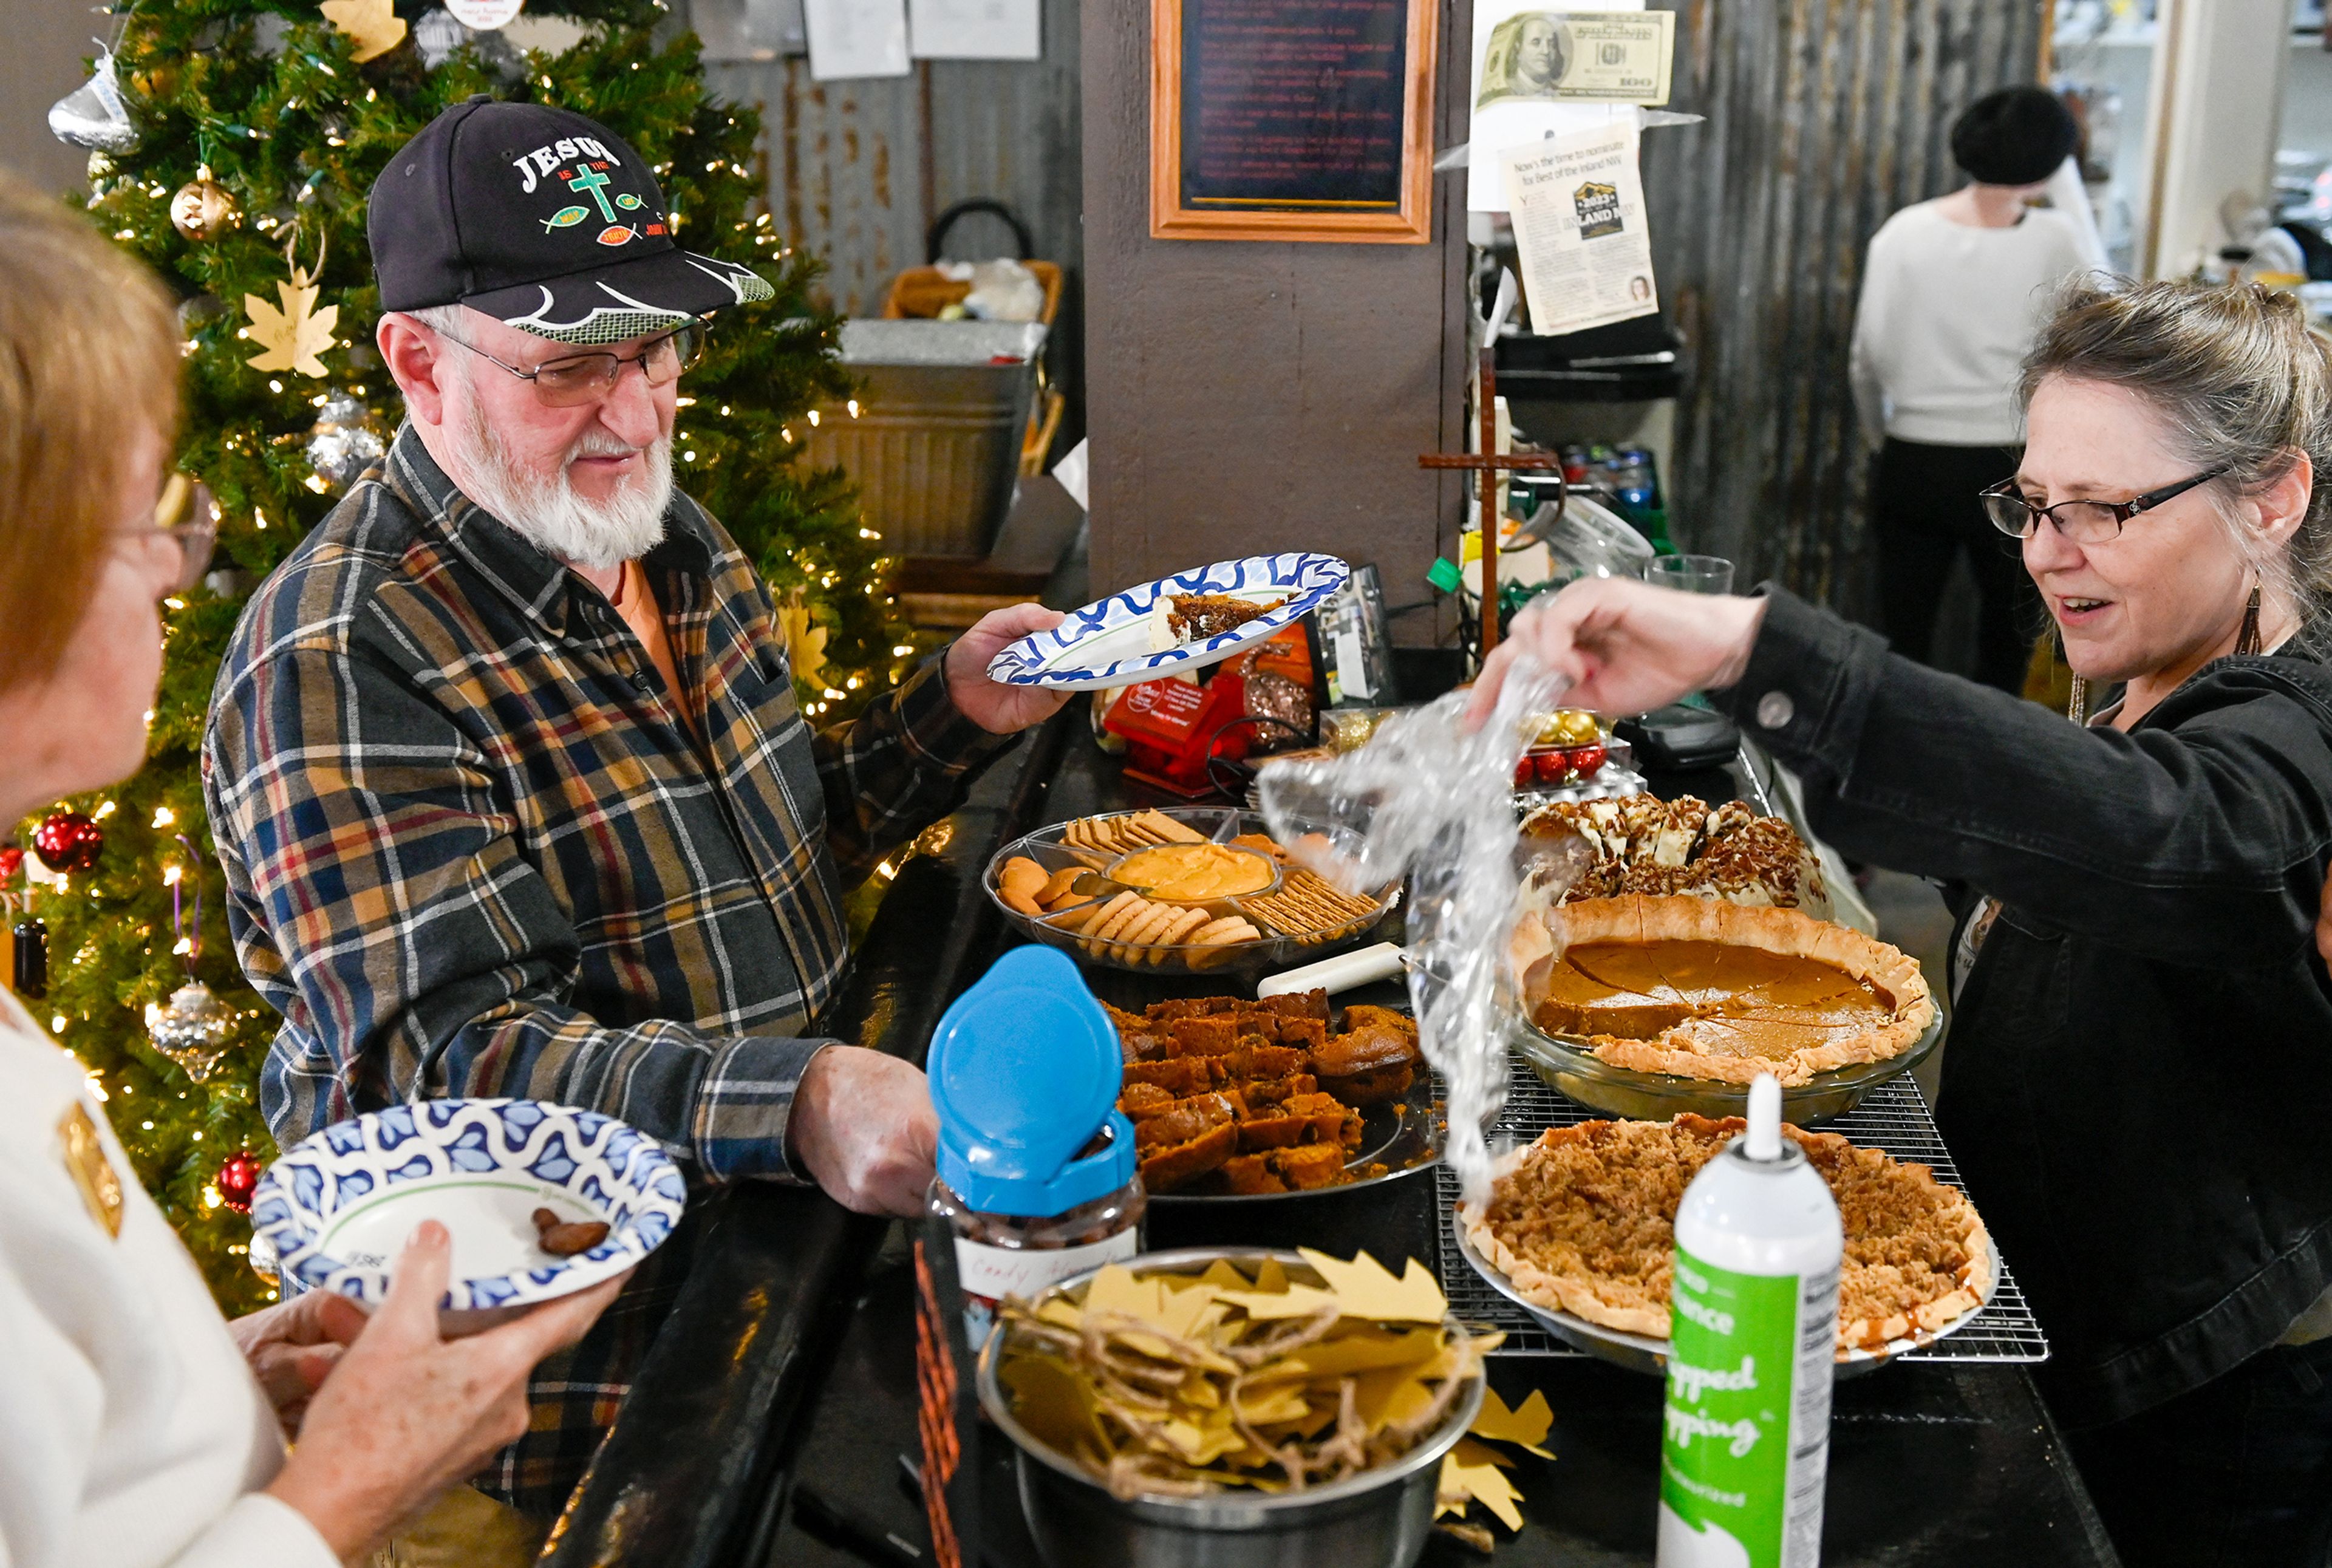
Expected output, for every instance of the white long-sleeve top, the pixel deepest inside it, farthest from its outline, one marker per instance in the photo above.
(132, 1434)
(1947, 314)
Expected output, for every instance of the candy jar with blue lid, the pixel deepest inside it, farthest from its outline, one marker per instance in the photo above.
(1037, 1172)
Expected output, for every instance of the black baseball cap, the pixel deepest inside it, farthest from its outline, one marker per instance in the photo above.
(542, 219)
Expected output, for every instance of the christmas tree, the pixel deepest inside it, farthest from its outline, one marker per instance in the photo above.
(234, 144)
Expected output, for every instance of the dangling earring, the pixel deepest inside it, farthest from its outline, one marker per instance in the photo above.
(2247, 641)
(2078, 709)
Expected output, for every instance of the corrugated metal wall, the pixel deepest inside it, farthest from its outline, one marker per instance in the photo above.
(858, 169)
(1824, 116)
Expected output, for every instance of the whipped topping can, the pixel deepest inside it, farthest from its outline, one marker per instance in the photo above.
(1744, 1445)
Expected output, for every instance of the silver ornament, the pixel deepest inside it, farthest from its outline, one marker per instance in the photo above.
(191, 1029)
(262, 1257)
(440, 32)
(93, 114)
(342, 446)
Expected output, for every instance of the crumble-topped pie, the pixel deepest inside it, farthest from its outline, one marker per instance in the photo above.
(1703, 988)
(1584, 1221)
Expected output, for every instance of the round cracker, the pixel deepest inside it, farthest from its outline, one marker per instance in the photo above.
(1107, 912)
(1057, 886)
(1110, 930)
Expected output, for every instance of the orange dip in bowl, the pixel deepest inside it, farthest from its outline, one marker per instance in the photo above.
(1194, 873)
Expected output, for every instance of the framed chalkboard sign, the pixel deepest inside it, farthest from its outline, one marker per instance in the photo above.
(1291, 120)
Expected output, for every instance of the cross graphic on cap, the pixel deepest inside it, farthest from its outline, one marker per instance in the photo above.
(592, 180)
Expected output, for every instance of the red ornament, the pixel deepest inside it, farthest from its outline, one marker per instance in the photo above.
(238, 1179)
(12, 860)
(68, 841)
(1588, 760)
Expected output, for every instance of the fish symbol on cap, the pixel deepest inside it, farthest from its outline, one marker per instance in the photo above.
(565, 217)
(617, 234)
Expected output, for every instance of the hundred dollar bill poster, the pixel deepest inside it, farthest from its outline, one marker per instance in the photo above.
(1578, 207)
(1541, 72)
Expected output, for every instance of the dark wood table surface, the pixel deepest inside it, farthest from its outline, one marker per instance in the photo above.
(770, 1424)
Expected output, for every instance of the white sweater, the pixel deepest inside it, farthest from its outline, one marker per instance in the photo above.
(132, 1434)
(1946, 316)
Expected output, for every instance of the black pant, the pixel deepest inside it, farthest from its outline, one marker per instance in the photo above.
(1923, 512)
(2236, 1474)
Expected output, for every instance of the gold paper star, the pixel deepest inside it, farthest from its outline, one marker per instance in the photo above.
(371, 22)
(294, 335)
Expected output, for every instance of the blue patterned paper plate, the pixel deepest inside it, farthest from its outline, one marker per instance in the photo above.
(1109, 643)
(338, 1206)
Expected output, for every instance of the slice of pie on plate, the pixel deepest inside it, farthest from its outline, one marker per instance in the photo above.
(1703, 988)
(1584, 1221)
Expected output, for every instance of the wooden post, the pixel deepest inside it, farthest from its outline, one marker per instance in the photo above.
(1486, 466)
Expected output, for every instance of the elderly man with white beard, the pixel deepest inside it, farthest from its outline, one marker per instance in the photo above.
(505, 767)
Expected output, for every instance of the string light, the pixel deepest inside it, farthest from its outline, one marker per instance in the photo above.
(104, 810)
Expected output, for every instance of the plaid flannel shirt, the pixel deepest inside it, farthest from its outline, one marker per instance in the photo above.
(472, 849)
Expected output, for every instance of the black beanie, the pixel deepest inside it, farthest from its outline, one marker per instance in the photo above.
(2017, 135)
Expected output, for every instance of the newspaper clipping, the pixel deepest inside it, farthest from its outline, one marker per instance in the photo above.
(1578, 207)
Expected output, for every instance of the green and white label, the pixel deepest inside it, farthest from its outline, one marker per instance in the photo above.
(1744, 1445)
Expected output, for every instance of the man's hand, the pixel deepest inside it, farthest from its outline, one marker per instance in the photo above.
(1627, 646)
(293, 1346)
(862, 1124)
(996, 708)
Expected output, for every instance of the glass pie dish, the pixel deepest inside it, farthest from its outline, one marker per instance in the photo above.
(1282, 935)
(1569, 1066)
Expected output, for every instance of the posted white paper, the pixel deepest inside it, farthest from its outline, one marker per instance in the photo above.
(1509, 123)
(1578, 205)
(850, 38)
(975, 29)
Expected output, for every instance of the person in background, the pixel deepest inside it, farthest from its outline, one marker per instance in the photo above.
(1952, 291)
(133, 1431)
(510, 784)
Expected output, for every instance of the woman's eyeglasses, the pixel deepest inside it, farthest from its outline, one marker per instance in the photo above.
(189, 544)
(2082, 521)
(580, 378)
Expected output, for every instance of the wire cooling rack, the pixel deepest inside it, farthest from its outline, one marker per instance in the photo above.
(1893, 1117)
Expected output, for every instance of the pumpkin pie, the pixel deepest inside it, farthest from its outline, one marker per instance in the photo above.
(1703, 988)
(1584, 1221)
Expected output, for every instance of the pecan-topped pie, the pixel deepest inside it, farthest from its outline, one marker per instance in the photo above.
(1705, 989)
(1584, 1221)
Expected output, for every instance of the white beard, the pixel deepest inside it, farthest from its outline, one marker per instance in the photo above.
(550, 515)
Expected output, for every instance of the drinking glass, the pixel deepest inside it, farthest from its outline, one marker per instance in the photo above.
(1692, 574)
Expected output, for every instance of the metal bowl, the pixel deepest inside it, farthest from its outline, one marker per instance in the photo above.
(1378, 1519)
(1570, 1066)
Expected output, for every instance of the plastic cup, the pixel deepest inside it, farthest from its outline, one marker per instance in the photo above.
(1692, 574)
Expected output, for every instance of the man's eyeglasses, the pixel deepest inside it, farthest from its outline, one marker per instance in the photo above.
(2082, 521)
(580, 378)
(190, 544)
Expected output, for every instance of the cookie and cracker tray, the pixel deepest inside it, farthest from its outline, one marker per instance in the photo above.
(1060, 885)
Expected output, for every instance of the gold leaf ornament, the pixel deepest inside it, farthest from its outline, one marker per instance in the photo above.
(373, 24)
(294, 336)
(805, 644)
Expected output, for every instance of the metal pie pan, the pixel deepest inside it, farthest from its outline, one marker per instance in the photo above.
(1642, 1353)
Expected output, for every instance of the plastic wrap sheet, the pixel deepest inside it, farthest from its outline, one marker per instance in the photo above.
(1427, 800)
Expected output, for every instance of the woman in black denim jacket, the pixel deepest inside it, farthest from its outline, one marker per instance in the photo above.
(2140, 1061)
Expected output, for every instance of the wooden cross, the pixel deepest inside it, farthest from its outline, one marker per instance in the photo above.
(1488, 462)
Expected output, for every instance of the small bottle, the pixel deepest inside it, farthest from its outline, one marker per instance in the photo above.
(1744, 1445)
(1037, 1176)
